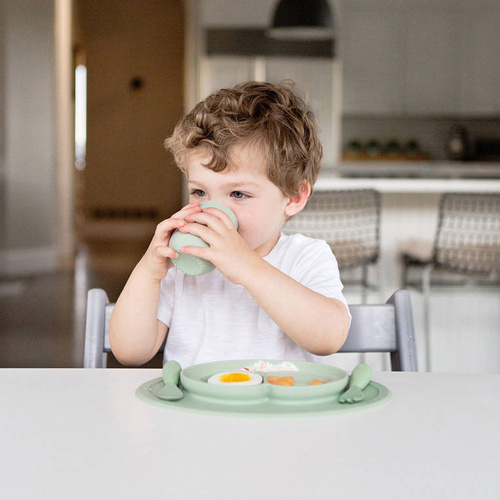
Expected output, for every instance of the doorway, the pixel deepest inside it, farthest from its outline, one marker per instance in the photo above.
(133, 53)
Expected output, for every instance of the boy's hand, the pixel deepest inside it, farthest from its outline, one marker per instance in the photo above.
(157, 259)
(227, 251)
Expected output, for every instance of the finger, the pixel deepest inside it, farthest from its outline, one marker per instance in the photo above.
(206, 233)
(167, 252)
(185, 211)
(177, 220)
(202, 252)
(221, 215)
(165, 227)
(211, 220)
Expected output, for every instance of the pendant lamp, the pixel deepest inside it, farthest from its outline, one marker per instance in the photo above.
(302, 20)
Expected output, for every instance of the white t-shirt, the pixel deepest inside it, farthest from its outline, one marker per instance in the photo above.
(212, 319)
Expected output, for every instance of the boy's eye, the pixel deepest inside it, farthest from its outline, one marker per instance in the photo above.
(239, 195)
(199, 193)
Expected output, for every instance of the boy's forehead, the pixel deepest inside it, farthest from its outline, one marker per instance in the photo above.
(242, 159)
(230, 178)
(249, 156)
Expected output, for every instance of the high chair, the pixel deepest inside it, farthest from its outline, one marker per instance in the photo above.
(374, 328)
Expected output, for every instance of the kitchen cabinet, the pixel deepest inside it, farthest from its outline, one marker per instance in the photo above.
(431, 69)
(319, 80)
(372, 60)
(480, 76)
(316, 79)
(419, 58)
(226, 71)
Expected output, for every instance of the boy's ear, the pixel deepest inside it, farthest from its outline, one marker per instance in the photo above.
(297, 202)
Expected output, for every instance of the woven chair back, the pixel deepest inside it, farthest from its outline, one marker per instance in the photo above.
(468, 235)
(349, 221)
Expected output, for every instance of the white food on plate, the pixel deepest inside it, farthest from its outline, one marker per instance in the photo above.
(266, 366)
(231, 378)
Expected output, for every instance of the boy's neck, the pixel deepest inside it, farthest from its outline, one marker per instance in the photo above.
(268, 246)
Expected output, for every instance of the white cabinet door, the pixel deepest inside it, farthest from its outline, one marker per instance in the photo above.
(480, 72)
(372, 53)
(431, 81)
(420, 58)
(218, 72)
(316, 78)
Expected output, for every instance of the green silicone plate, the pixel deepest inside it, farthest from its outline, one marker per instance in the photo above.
(265, 400)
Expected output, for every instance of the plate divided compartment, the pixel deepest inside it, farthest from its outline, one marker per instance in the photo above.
(265, 399)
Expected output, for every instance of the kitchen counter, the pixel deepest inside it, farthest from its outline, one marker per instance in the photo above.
(411, 177)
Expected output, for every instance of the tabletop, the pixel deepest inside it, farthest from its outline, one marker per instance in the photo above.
(80, 434)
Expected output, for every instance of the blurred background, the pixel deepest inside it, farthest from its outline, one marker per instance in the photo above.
(407, 93)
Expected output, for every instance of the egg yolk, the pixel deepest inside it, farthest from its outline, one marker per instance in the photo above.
(235, 377)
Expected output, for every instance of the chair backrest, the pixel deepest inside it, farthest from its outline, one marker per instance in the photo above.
(374, 328)
(385, 328)
(348, 220)
(468, 234)
(97, 329)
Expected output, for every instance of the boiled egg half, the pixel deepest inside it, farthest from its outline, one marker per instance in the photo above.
(235, 379)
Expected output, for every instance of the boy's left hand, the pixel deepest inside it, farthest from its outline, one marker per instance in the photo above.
(228, 251)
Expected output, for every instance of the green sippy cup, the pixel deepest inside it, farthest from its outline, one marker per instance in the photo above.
(190, 264)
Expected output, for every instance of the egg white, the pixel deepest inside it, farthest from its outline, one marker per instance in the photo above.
(254, 379)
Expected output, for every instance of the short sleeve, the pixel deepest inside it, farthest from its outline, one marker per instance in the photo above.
(316, 267)
(167, 297)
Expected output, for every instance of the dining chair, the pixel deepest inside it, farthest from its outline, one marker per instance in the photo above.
(374, 328)
(465, 253)
(349, 221)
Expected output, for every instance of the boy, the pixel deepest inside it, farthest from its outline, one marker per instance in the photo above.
(255, 149)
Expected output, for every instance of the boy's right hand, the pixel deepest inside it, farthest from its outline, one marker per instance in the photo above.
(157, 259)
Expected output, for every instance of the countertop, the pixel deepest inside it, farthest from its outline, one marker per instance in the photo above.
(416, 177)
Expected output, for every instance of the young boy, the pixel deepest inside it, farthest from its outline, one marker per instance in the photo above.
(255, 149)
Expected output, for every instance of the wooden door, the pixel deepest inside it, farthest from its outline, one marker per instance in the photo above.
(134, 54)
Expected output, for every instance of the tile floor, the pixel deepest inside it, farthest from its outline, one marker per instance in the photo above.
(42, 318)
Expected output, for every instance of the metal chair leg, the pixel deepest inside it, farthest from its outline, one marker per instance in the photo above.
(364, 284)
(364, 298)
(426, 290)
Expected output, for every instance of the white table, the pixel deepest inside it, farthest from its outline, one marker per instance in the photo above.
(83, 434)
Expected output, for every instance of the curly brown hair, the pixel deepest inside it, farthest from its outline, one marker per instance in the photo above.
(265, 114)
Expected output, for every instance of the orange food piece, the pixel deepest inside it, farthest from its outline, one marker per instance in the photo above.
(286, 381)
(316, 382)
(280, 380)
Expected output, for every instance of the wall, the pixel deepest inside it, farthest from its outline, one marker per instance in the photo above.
(28, 138)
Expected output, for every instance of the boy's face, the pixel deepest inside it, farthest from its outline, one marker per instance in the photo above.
(259, 205)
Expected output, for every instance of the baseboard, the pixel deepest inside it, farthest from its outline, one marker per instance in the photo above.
(27, 261)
